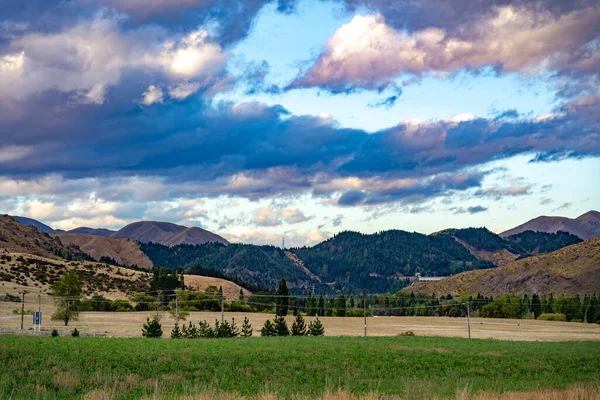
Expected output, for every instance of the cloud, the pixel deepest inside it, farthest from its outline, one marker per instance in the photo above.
(152, 95)
(386, 103)
(370, 53)
(86, 59)
(268, 216)
(476, 209)
(545, 201)
(563, 206)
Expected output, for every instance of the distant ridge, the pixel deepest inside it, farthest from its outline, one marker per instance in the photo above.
(585, 226)
(92, 231)
(167, 233)
(143, 231)
(32, 222)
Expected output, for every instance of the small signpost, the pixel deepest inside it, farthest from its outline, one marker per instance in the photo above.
(37, 320)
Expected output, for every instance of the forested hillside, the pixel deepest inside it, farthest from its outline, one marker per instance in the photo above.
(381, 261)
(262, 265)
(349, 261)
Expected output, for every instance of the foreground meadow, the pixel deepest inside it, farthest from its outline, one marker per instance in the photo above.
(290, 367)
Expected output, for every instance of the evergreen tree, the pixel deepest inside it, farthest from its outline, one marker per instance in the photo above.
(299, 326)
(241, 298)
(204, 330)
(281, 327)
(281, 298)
(192, 331)
(152, 328)
(351, 302)
(268, 329)
(340, 306)
(176, 332)
(329, 307)
(536, 306)
(310, 306)
(246, 328)
(316, 328)
(321, 306)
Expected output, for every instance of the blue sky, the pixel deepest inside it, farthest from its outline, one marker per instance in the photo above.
(299, 119)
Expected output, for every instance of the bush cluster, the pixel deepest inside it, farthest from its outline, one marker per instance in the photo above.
(278, 327)
(223, 329)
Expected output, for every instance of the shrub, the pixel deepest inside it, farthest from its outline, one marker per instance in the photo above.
(54, 333)
(268, 329)
(552, 317)
(225, 329)
(205, 331)
(316, 328)
(246, 328)
(281, 327)
(407, 333)
(176, 332)
(299, 326)
(121, 305)
(152, 328)
(75, 332)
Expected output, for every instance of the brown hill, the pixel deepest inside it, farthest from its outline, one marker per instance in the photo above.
(585, 226)
(15, 237)
(123, 251)
(167, 234)
(571, 270)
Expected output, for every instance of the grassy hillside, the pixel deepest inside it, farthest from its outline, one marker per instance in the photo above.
(122, 251)
(571, 270)
(16, 237)
(412, 367)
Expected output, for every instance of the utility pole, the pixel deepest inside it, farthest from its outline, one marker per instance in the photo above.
(365, 310)
(468, 319)
(176, 309)
(222, 308)
(39, 303)
(23, 308)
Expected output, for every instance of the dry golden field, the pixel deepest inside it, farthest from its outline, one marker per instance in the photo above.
(128, 324)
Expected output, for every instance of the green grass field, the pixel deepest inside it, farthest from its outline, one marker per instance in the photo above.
(67, 368)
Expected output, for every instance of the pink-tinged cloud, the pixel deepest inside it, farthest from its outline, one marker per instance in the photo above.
(369, 53)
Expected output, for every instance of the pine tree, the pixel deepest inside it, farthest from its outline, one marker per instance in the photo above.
(204, 330)
(268, 329)
(176, 332)
(281, 327)
(340, 306)
(299, 327)
(246, 328)
(310, 306)
(152, 328)
(316, 328)
(192, 331)
(281, 298)
(536, 306)
(241, 294)
(321, 306)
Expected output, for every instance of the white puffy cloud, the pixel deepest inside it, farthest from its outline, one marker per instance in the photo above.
(369, 53)
(152, 95)
(268, 216)
(92, 55)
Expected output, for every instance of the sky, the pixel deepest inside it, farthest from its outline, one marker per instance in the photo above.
(268, 119)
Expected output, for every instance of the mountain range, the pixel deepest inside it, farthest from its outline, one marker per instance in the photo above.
(143, 231)
(585, 226)
(349, 261)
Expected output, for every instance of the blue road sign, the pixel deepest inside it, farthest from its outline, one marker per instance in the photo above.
(37, 318)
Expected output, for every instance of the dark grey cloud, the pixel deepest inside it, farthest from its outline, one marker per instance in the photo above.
(476, 209)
